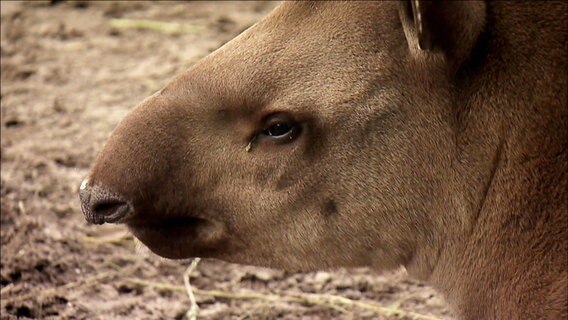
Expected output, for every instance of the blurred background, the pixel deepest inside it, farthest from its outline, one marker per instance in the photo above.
(70, 71)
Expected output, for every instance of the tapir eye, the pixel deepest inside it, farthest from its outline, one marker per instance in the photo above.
(280, 128)
(277, 130)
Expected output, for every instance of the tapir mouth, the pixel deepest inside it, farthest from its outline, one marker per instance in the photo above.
(171, 237)
(173, 226)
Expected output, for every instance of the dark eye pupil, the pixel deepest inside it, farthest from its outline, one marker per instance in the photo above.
(278, 129)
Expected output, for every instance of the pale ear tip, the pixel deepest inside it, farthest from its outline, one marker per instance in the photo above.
(421, 44)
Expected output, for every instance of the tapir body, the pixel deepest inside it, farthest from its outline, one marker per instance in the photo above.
(431, 135)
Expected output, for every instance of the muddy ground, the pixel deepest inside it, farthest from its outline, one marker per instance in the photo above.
(68, 77)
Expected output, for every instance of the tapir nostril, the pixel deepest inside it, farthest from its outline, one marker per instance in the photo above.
(110, 210)
(100, 205)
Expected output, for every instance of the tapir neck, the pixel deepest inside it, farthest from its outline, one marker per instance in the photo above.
(516, 254)
(511, 180)
(512, 136)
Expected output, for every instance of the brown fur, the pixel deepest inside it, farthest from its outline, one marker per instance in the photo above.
(449, 159)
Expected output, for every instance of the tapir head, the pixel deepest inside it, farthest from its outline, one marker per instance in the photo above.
(322, 136)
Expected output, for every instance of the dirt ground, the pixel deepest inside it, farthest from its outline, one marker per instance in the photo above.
(68, 76)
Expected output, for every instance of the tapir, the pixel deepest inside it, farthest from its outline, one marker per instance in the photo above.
(431, 135)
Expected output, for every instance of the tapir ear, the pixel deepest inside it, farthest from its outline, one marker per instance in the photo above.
(450, 26)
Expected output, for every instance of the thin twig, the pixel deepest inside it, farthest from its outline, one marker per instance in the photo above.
(7, 289)
(120, 239)
(164, 27)
(21, 207)
(194, 308)
(331, 301)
